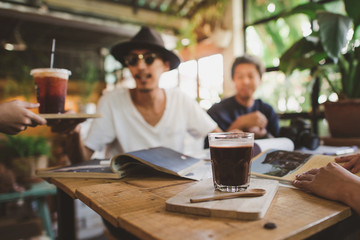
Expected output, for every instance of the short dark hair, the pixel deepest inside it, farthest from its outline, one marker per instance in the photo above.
(248, 59)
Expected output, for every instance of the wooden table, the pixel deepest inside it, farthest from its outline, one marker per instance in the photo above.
(138, 206)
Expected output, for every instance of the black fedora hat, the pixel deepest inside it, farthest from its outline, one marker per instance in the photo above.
(146, 38)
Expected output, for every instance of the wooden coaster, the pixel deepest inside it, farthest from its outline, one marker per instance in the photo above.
(245, 208)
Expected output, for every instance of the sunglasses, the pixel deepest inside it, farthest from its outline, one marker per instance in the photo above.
(133, 59)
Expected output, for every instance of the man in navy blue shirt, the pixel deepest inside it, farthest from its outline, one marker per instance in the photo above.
(242, 111)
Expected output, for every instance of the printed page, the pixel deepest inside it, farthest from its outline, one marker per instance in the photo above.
(316, 161)
(285, 165)
(331, 150)
(159, 158)
(88, 169)
(201, 171)
(277, 164)
(275, 143)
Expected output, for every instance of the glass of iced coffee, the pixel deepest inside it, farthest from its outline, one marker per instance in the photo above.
(51, 88)
(231, 155)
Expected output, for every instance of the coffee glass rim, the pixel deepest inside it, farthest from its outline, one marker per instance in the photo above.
(235, 134)
(52, 70)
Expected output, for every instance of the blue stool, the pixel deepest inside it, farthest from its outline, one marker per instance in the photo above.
(38, 193)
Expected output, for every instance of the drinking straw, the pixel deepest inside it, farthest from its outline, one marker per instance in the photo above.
(52, 53)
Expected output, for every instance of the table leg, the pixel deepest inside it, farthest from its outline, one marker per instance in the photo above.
(43, 212)
(66, 216)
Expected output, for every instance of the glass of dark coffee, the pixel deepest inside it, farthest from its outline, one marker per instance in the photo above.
(51, 88)
(231, 160)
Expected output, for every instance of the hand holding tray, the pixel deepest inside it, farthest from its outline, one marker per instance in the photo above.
(85, 116)
(66, 122)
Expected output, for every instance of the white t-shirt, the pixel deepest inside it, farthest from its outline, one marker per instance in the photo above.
(123, 129)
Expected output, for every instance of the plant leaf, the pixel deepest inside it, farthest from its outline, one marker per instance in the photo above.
(333, 30)
(352, 9)
(309, 9)
(304, 54)
(355, 91)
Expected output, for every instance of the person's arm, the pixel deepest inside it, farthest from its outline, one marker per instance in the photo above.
(217, 130)
(351, 162)
(247, 121)
(259, 132)
(332, 182)
(101, 131)
(352, 195)
(74, 146)
(15, 116)
(254, 122)
(273, 127)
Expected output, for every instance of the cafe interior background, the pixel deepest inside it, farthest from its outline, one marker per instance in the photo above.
(207, 34)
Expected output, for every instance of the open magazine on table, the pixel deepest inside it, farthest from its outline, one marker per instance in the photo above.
(285, 165)
(152, 160)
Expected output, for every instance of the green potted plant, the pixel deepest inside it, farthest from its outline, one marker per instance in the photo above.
(24, 154)
(332, 54)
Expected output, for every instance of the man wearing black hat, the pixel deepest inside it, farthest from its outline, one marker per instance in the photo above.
(143, 117)
(146, 116)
